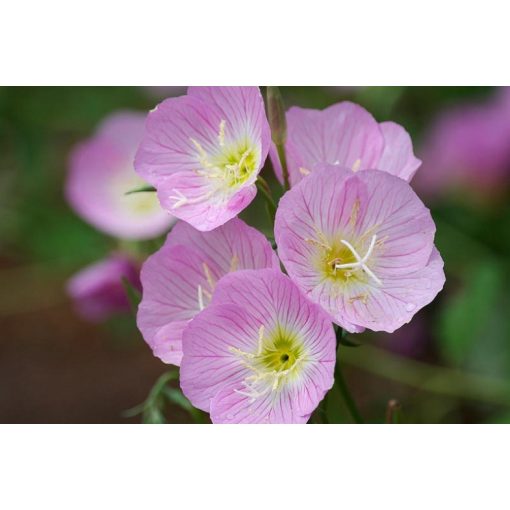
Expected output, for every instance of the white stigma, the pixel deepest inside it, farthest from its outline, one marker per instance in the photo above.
(361, 262)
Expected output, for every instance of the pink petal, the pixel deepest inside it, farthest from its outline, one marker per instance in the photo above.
(124, 129)
(234, 245)
(181, 276)
(394, 304)
(243, 110)
(208, 363)
(272, 299)
(171, 279)
(101, 172)
(97, 290)
(339, 135)
(293, 405)
(275, 161)
(167, 342)
(204, 207)
(167, 146)
(397, 158)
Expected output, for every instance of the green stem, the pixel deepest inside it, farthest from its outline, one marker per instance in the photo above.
(346, 394)
(434, 379)
(393, 412)
(263, 187)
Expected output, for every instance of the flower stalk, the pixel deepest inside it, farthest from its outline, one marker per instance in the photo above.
(264, 188)
(342, 385)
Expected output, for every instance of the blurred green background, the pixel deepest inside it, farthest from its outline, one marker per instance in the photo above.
(451, 364)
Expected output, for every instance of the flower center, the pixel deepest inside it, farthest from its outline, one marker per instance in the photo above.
(277, 360)
(341, 261)
(361, 262)
(228, 168)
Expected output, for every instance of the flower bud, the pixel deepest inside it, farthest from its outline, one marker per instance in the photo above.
(276, 115)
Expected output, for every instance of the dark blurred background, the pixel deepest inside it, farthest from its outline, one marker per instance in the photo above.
(451, 364)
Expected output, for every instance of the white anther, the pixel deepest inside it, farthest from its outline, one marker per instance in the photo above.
(200, 298)
(208, 275)
(261, 340)
(361, 262)
(221, 134)
(357, 165)
(181, 199)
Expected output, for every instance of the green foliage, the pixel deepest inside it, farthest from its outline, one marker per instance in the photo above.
(134, 296)
(473, 327)
(162, 394)
(465, 317)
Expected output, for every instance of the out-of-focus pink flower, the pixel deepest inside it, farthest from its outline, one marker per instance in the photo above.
(260, 353)
(97, 290)
(203, 152)
(468, 148)
(179, 280)
(344, 134)
(361, 245)
(101, 172)
(411, 340)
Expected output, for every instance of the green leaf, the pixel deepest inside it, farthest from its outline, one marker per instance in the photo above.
(347, 342)
(153, 414)
(142, 189)
(334, 406)
(175, 396)
(133, 294)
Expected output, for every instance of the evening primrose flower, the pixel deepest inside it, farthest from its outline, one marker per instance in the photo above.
(97, 290)
(101, 173)
(203, 152)
(344, 134)
(361, 245)
(179, 280)
(260, 353)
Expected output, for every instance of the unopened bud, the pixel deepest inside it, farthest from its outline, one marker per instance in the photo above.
(276, 115)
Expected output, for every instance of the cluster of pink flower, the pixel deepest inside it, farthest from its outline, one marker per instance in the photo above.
(255, 343)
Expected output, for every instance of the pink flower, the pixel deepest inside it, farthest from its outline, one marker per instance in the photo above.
(468, 147)
(98, 291)
(178, 281)
(261, 353)
(361, 245)
(203, 152)
(101, 172)
(346, 135)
